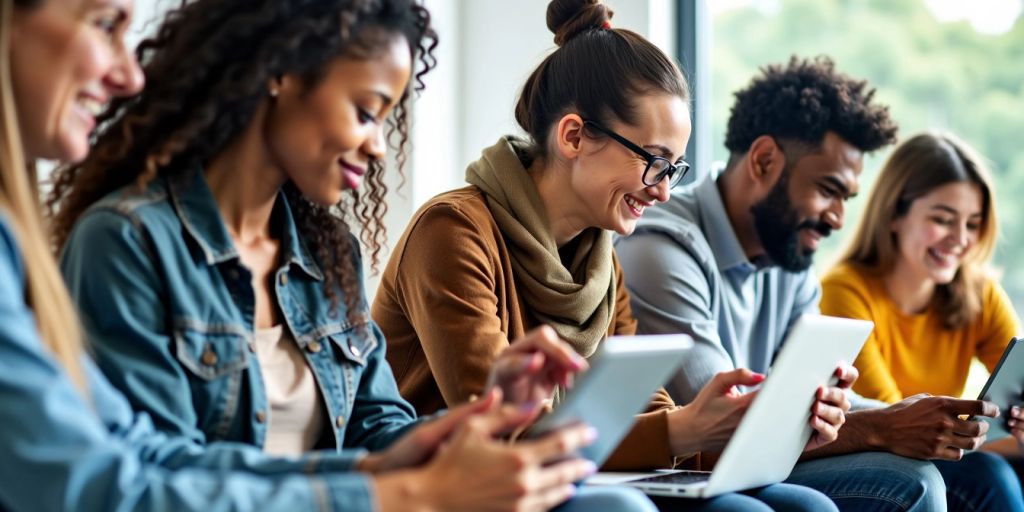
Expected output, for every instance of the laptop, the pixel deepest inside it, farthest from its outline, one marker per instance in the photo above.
(773, 433)
(624, 373)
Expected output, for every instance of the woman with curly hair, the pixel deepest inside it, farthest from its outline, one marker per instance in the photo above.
(205, 243)
(917, 267)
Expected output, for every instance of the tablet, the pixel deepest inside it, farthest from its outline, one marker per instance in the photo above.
(1005, 388)
(624, 373)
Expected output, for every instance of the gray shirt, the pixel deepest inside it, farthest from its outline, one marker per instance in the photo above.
(687, 272)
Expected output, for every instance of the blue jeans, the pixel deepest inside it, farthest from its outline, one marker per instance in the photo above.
(981, 481)
(781, 497)
(875, 481)
(600, 498)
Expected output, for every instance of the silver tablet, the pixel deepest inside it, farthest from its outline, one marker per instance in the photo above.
(624, 374)
(1005, 388)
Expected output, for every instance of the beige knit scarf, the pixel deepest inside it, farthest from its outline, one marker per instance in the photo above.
(578, 301)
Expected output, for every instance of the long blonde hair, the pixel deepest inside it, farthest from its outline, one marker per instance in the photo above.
(915, 168)
(19, 202)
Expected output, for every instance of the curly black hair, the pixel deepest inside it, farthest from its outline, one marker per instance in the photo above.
(804, 100)
(206, 69)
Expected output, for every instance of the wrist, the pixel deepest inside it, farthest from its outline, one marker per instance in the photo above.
(683, 437)
(404, 491)
(863, 430)
(368, 463)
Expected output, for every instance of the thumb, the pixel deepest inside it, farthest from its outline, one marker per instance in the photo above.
(441, 427)
(725, 381)
(455, 416)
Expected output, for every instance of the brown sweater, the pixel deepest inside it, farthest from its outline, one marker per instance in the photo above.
(447, 305)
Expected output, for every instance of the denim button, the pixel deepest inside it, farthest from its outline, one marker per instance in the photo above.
(284, 279)
(209, 358)
(313, 347)
(355, 350)
(261, 416)
(340, 422)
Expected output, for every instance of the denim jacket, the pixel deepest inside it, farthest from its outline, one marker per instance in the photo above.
(169, 309)
(62, 451)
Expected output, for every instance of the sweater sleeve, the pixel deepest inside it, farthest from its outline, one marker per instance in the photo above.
(446, 282)
(846, 296)
(999, 325)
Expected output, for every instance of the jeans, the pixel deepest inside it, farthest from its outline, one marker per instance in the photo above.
(981, 481)
(610, 498)
(780, 497)
(874, 481)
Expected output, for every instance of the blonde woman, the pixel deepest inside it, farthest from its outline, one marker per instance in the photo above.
(70, 441)
(917, 267)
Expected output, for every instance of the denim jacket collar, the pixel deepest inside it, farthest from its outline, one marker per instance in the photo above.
(196, 207)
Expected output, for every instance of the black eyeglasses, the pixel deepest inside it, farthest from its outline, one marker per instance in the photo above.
(658, 168)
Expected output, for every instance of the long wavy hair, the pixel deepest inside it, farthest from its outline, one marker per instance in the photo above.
(19, 203)
(916, 167)
(206, 71)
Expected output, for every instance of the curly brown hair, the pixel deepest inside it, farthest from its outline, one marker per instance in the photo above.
(207, 68)
(801, 102)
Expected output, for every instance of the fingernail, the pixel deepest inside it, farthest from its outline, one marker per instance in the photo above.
(1015, 410)
(590, 468)
(590, 434)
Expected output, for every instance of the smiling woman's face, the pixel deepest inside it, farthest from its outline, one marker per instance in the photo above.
(325, 136)
(68, 59)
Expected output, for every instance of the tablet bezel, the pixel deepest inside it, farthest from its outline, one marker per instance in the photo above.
(624, 374)
(1005, 383)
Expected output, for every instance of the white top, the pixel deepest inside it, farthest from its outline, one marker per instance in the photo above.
(295, 420)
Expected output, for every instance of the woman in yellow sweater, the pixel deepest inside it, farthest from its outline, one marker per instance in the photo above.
(917, 267)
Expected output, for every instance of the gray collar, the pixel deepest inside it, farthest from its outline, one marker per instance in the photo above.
(718, 230)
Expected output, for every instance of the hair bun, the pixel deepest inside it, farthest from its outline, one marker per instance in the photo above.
(567, 18)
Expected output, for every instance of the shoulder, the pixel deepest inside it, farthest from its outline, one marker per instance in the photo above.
(993, 295)
(678, 218)
(466, 203)
(847, 275)
(668, 237)
(127, 224)
(145, 208)
(455, 215)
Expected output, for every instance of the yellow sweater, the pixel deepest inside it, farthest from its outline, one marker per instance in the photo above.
(911, 354)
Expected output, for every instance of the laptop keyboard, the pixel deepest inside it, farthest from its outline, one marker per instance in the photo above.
(683, 477)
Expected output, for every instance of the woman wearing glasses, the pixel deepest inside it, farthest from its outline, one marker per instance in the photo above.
(529, 241)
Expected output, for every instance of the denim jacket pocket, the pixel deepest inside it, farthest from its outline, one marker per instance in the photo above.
(211, 354)
(356, 343)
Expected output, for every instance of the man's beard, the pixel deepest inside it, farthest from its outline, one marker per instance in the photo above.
(778, 226)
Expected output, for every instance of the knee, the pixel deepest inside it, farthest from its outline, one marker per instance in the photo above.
(923, 485)
(932, 495)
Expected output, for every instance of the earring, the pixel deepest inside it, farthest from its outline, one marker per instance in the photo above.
(273, 92)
